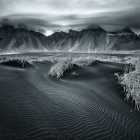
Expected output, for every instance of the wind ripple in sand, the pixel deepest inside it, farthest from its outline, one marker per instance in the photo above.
(68, 108)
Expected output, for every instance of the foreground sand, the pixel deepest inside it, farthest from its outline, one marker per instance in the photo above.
(34, 105)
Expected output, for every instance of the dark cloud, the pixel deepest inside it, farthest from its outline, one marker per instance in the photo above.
(5, 22)
(42, 31)
(22, 26)
(92, 27)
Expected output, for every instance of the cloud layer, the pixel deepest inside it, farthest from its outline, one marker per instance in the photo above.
(57, 15)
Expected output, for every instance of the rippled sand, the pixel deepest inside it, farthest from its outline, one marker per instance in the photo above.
(34, 105)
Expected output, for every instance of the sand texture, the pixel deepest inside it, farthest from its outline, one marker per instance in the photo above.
(90, 106)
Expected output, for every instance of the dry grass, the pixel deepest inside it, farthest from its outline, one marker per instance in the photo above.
(130, 81)
(58, 69)
(64, 63)
(16, 61)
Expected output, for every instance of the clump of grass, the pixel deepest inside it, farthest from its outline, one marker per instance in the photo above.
(16, 62)
(58, 69)
(81, 61)
(130, 81)
(67, 63)
(73, 74)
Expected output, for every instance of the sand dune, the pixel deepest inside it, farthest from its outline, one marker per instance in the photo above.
(34, 105)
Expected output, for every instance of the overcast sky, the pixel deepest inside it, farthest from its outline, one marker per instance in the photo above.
(49, 16)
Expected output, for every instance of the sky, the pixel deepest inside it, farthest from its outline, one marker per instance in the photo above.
(49, 16)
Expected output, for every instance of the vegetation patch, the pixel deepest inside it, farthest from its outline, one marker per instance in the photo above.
(58, 69)
(22, 63)
(73, 74)
(130, 81)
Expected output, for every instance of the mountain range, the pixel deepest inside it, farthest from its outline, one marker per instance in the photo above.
(86, 40)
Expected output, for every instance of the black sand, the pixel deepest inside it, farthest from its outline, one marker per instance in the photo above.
(36, 106)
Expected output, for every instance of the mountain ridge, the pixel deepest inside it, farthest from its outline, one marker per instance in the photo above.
(86, 40)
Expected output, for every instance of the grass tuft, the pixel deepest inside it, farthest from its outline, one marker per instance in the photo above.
(16, 62)
(130, 81)
(58, 69)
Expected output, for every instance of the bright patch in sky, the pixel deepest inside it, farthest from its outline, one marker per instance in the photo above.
(48, 33)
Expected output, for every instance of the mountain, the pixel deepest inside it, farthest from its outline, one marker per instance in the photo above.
(86, 40)
(21, 40)
(123, 41)
(5, 31)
